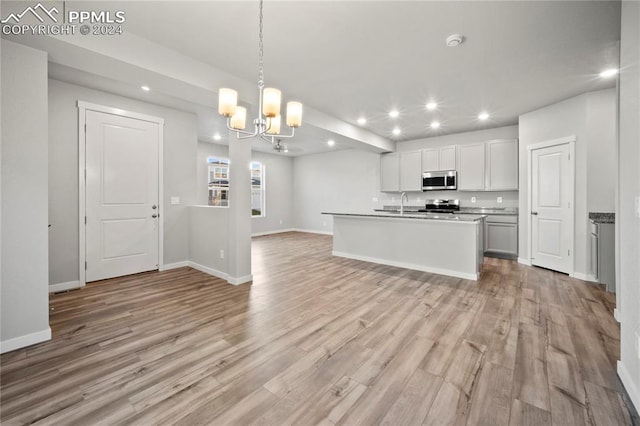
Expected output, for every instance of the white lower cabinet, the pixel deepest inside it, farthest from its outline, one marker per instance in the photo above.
(501, 236)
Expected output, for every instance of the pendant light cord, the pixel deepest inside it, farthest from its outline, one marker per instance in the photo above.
(261, 52)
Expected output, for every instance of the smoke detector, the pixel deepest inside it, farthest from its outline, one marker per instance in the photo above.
(454, 40)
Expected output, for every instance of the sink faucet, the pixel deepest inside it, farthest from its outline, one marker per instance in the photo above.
(402, 197)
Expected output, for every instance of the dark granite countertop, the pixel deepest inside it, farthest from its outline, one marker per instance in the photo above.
(599, 217)
(415, 215)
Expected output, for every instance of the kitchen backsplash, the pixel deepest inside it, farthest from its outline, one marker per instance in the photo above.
(483, 199)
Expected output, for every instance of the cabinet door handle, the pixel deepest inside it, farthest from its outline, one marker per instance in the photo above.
(534, 213)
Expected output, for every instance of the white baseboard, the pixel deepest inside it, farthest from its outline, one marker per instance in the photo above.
(615, 314)
(24, 341)
(175, 265)
(207, 270)
(313, 231)
(240, 280)
(524, 261)
(69, 285)
(278, 231)
(631, 387)
(439, 271)
(583, 277)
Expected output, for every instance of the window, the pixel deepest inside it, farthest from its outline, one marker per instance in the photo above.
(218, 181)
(257, 189)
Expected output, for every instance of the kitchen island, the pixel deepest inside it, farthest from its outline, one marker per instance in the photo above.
(444, 244)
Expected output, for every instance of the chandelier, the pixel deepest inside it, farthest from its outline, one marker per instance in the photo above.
(267, 124)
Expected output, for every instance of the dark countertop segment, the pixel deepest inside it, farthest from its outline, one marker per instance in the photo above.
(510, 211)
(414, 215)
(602, 217)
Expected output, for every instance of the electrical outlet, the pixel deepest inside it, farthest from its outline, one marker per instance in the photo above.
(393, 199)
(473, 199)
(374, 199)
(280, 221)
(221, 254)
(499, 200)
(175, 200)
(638, 207)
(324, 223)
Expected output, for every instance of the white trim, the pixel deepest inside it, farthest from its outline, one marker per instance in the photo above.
(69, 285)
(524, 261)
(83, 107)
(570, 141)
(240, 280)
(175, 265)
(629, 385)
(277, 231)
(24, 341)
(312, 231)
(553, 142)
(583, 277)
(207, 270)
(406, 265)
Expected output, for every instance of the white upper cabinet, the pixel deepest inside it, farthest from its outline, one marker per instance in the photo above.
(411, 171)
(471, 164)
(502, 165)
(390, 172)
(448, 158)
(439, 158)
(430, 159)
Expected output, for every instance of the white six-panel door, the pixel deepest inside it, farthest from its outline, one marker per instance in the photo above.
(551, 208)
(122, 195)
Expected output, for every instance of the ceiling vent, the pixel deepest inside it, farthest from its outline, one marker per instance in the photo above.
(454, 40)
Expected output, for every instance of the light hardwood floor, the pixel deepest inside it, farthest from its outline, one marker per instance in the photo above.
(323, 340)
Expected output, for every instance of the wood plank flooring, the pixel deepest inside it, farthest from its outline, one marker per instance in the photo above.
(317, 339)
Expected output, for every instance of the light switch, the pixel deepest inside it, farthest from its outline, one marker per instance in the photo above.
(175, 200)
(499, 200)
(473, 199)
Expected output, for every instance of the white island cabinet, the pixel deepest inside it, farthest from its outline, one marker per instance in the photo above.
(445, 244)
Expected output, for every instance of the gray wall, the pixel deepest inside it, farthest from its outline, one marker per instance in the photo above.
(339, 181)
(629, 223)
(180, 153)
(591, 118)
(208, 234)
(24, 309)
(279, 186)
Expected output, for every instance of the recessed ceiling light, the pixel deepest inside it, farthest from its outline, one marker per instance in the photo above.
(609, 73)
(145, 88)
(362, 121)
(396, 131)
(483, 116)
(394, 113)
(431, 106)
(435, 124)
(217, 137)
(331, 142)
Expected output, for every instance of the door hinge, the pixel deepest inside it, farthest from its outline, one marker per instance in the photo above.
(568, 252)
(569, 155)
(85, 127)
(85, 220)
(85, 266)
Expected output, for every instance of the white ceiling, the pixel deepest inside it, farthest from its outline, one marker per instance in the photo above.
(348, 58)
(353, 58)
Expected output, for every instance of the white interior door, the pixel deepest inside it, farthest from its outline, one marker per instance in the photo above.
(551, 208)
(122, 193)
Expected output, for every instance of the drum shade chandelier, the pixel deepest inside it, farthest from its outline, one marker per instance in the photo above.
(268, 123)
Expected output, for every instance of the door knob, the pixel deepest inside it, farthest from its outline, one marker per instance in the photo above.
(154, 207)
(534, 213)
(154, 216)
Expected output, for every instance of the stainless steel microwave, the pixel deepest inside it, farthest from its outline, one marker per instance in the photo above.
(438, 181)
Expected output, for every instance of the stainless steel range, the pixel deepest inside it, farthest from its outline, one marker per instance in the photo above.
(441, 206)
